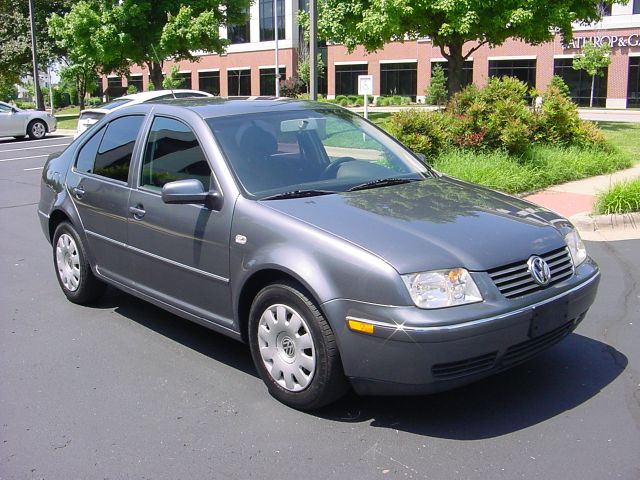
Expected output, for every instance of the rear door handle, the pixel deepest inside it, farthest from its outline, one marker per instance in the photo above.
(78, 192)
(138, 212)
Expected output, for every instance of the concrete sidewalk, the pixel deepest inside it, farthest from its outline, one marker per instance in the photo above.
(575, 201)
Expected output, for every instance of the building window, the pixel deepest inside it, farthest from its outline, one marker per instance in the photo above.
(239, 33)
(579, 83)
(268, 81)
(239, 83)
(633, 92)
(399, 79)
(604, 9)
(523, 70)
(136, 81)
(347, 78)
(636, 7)
(114, 81)
(467, 71)
(209, 82)
(185, 80)
(267, 21)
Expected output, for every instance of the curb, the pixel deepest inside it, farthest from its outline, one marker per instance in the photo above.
(585, 221)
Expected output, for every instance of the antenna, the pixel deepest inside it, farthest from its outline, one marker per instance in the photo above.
(158, 60)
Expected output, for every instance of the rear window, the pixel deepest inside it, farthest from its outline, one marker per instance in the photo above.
(116, 103)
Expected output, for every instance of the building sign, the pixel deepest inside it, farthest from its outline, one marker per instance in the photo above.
(632, 40)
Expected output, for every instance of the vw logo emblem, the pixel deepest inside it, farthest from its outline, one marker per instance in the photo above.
(539, 270)
(288, 346)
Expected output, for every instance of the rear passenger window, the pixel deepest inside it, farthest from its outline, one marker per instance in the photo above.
(114, 154)
(173, 153)
(88, 152)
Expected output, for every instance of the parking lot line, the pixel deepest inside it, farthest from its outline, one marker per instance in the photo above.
(22, 158)
(32, 148)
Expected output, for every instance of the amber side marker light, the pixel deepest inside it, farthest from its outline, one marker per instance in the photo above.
(358, 326)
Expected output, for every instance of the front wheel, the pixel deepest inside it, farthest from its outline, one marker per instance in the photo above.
(36, 130)
(73, 271)
(294, 349)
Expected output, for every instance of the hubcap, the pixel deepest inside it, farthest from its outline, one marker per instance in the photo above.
(68, 262)
(286, 347)
(38, 129)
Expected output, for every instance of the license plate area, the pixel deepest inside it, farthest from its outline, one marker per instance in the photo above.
(548, 317)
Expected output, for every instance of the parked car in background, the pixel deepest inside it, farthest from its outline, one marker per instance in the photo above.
(18, 123)
(90, 116)
(304, 230)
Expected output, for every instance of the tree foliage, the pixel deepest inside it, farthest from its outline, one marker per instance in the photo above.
(594, 59)
(171, 80)
(451, 24)
(436, 93)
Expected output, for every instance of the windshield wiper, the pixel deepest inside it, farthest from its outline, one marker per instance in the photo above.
(298, 194)
(382, 182)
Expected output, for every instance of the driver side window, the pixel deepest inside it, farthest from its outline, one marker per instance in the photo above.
(173, 153)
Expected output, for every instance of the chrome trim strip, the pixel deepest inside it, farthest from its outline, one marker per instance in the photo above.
(158, 257)
(446, 328)
(40, 212)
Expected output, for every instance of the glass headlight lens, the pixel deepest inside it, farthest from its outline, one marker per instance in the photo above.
(576, 247)
(442, 288)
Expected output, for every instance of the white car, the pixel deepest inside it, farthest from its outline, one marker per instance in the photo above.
(15, 122)
(91, 115)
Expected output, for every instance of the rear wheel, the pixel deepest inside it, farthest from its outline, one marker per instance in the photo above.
(294, 349)
(36, 130)
(73, 271)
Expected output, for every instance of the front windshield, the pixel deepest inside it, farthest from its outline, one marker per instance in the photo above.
(311, 151)
(116, 103)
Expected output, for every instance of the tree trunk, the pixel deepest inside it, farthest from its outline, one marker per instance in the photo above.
(81, 86)
(155, 72)
(593, 85)
(455, 62)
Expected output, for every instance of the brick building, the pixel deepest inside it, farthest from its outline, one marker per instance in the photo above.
(248, 66)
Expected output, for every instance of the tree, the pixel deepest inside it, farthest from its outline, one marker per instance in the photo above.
(304, 58)
(436, 92)
(172, 80)
(594, 59)
(451, 24)
(73, 33)
(15, 37)
(148, 32)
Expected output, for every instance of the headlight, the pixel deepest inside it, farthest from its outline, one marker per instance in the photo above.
(442, 288)
(576, 247)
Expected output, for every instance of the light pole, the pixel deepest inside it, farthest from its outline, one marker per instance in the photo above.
(313, 49)
(34, 56)
(275, 22)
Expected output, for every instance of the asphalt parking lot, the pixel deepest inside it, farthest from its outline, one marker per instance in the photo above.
(125, 390)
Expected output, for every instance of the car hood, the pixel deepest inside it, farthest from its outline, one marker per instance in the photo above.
(432, 224)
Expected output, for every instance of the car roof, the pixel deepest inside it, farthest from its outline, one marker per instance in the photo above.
(219, 106)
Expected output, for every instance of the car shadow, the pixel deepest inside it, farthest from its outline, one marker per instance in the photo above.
(196, 337)
(556, 381)
(49, 136)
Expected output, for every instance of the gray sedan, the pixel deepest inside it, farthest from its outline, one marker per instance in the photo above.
(15, 122)
(337, 254)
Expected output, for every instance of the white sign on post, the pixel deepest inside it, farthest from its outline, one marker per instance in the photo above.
(365, 87)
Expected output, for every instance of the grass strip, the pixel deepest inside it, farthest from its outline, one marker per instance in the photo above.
(623, 197)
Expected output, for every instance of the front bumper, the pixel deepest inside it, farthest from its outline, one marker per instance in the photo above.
(405, 357)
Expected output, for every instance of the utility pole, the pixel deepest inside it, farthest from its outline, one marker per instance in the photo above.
(313, 49)
(275, 22)
(36, 77)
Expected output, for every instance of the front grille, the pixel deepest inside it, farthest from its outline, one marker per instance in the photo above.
(522, 351)
(514, 280)
(469, 366)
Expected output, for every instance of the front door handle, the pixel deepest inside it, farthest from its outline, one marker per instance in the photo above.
(78, 192)
(138, 212)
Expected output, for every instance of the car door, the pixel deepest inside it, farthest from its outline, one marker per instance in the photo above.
(98, 186)
(10, 122)
(181, 250)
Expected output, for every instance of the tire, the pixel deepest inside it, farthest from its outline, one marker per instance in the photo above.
(294, 349)
(37, 129)
(73, 271)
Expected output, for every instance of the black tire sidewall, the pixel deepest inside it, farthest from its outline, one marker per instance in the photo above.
(321, 389)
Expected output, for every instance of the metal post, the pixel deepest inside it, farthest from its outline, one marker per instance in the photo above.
(50, 89)
(313, 49)
(34, 56)
(366, 106)
(275, 21)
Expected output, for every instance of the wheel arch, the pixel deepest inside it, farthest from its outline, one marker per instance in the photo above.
(55, 219)
(46, 125)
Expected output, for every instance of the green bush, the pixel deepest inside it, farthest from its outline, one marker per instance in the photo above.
(423, 132)
(26, 105)
(558, 119)
(622, 197)
(93, 102)
(558, 82)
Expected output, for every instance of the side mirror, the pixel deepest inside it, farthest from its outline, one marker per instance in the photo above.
(14, 110)
(190, 191)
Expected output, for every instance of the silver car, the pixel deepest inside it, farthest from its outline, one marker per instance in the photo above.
(18, 123)
(336, 253)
